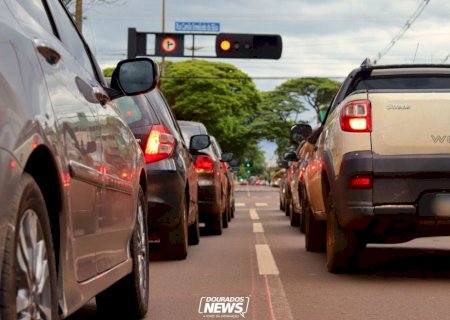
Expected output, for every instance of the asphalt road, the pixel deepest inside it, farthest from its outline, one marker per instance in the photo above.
(260, 259)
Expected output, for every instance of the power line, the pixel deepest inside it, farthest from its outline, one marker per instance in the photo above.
(405, 28)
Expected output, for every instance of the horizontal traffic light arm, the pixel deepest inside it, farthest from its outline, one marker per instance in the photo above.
(228, 45)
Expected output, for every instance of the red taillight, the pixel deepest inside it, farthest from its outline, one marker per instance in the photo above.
(160, 144)
(356, 116)
(360, 182)
(204, 164)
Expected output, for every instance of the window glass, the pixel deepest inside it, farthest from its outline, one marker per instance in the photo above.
(164, 113)
(129, 110)
(405, 83)
(70, 37)
(36, 10)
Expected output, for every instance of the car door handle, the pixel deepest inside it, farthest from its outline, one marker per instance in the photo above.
(100, 95)
(50, 55)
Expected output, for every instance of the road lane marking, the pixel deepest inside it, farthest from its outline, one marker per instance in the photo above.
(257, 227)
(266, 262)
(254, 215)
(261, 204)
(239, 204)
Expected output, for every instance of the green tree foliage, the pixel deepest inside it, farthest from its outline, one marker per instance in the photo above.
(285, 106)
(107, 72)
(312, 93)
(216, 94)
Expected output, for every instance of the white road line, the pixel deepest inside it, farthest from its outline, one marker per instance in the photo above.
(261, 204)
(257, 227)
(266, 262)
(239, 204)
(253, 214)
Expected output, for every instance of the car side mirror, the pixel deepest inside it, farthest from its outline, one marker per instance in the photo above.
(290, 156)
(226, 157)
(300, 131)
(134, 76)
(199, 142)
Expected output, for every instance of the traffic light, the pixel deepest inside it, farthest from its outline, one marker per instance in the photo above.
(248, 164)
(250, 46)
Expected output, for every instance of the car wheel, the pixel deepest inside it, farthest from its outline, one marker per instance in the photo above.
(174, 243)
(233, 208)
(225, 217)
(194, 231)
(314, 233)
(28, 280)
(342, 244)
(293, 216)
(215, 225)
(128, 298)
(302, 211)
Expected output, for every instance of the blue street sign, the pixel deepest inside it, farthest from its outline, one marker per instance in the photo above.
(197, 26)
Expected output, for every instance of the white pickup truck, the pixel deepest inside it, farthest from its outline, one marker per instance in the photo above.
(379, 170)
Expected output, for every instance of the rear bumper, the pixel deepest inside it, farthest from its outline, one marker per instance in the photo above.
(209, 196)
(403, 187)
(165, 196)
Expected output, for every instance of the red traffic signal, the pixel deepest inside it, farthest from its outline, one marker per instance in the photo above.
(248, 46)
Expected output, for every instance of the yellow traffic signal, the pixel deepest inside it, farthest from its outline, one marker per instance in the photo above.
(225, 45)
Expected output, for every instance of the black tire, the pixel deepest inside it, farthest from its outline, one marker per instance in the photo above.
(129, 297)
(194, 231)
(315, 232)
(287, 207)
(31, 212)
(342, 244)
(302, 211)
(214, 224)
(293, 216)
(174, 242)
(233, 208)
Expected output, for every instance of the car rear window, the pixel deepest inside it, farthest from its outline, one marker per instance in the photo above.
(409, 82)
(133, 111)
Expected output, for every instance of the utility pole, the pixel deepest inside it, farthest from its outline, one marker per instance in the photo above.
(79, 14)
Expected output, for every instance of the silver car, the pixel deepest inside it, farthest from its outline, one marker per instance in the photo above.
(72, 177)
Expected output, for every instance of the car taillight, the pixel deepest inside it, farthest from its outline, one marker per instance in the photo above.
(160, 144)
(204, 164)
(356, 116)
(360, 182)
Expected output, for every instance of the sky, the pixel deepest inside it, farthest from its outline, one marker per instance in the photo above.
(321, 38)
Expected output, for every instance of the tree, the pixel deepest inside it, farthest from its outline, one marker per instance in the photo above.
(285, 106)
(217, 94)
(313, 93)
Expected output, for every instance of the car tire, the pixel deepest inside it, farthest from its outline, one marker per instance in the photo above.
(174, 242)
(315, 233)
(225, 217)
(342, 244)
(302, 211)
(215, 225)
(129, 297)
(194, 231)
(293, 216)
(20, 278)
(233, 208)
(287, 207)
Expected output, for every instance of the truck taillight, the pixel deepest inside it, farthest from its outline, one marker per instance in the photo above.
(160, 144)
(360, 182)
(204, 164)
(356, 116)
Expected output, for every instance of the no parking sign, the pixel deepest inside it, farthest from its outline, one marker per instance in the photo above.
(169, 45)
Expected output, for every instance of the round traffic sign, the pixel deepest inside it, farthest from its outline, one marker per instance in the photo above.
(168, 44)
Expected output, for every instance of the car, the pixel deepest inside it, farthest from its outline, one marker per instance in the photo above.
(173, 216)
(213, 185)
(380, 170)
(72, 184)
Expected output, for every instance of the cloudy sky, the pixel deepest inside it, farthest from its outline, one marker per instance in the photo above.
(320, 37)
(324, 38)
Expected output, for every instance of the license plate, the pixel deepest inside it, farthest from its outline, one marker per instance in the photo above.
(441, 205)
